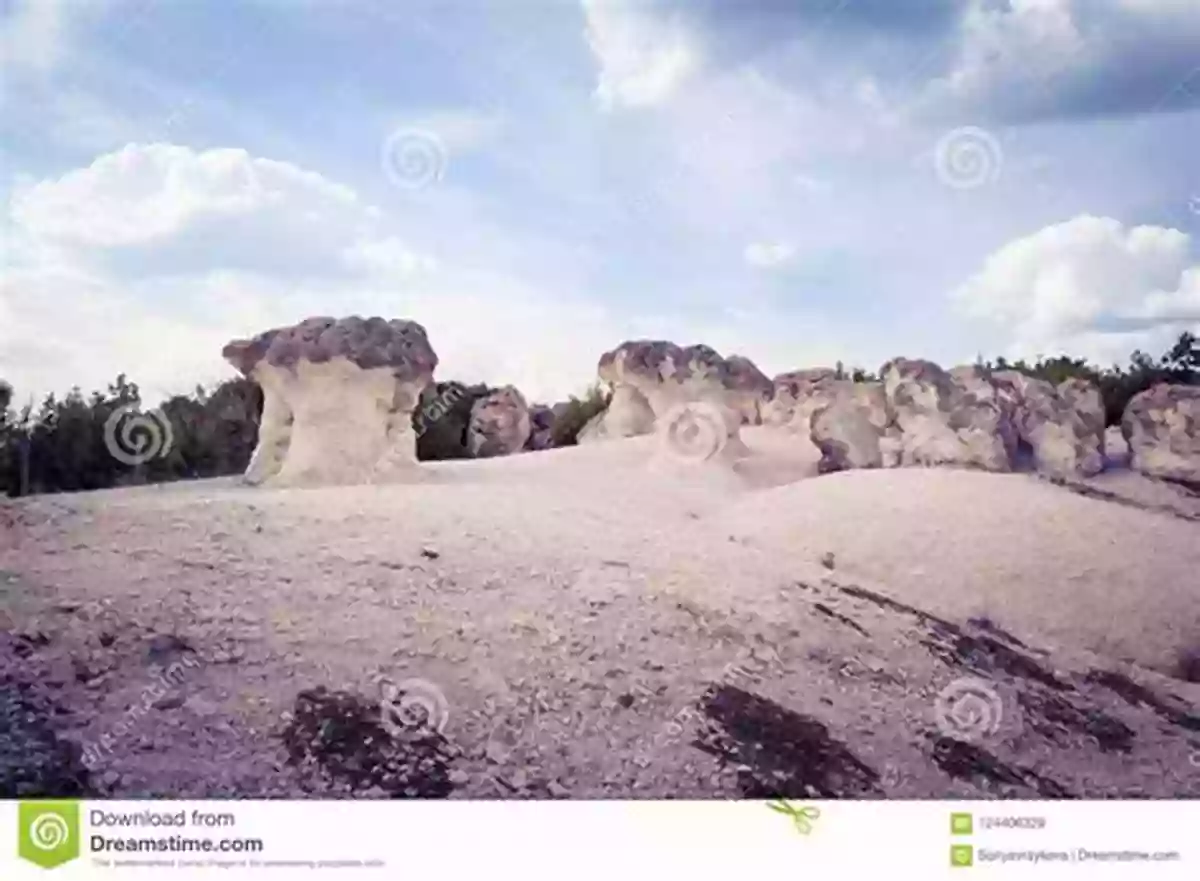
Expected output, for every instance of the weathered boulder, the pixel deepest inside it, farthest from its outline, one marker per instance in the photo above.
(847, 437)
(1060, 427)
(338, 396)
(1162, 426)
(500, 424)
(948, 419)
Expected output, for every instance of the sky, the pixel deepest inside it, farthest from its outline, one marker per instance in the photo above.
(535, 181)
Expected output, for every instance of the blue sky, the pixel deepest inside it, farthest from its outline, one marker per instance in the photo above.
(537, 180)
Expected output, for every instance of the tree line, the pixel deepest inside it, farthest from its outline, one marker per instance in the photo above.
(67, 444)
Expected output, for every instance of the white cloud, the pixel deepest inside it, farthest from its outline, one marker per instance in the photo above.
(75, 312)
(32, 35)
(643, 58)
(1091, 287)
(768, 255)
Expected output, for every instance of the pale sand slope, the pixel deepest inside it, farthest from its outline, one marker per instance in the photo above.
(576, 608)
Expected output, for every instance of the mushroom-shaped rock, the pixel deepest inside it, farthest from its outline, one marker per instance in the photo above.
(1162, 426)
(667, 375)
(500, 424)
(947, 419)
(338, 396)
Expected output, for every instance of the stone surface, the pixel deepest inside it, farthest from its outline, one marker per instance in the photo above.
(500, 424)
(947, 419)
(751, 389)
(1162, 427)
(338, 396)
(847, 436)
(923, 415)
(796, 395)
(667, 375)
(1061, 428)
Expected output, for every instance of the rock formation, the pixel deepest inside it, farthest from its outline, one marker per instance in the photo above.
(922, 415)
(796, 395)
(947, 418)
(1062, 426)
(680, 392)
(1162, 426)
(338, 397)
(500, 424)
(653, 378)
(750, 389)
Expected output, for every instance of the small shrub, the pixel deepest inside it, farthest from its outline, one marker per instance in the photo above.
(576, 413)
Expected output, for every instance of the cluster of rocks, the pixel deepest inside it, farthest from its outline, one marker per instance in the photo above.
(340, 394)
(919, 414)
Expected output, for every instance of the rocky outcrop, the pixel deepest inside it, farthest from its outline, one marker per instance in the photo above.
(693, 398)
(667, 375)
(946, 418)
(338, 398)
(1162, 426)
(922, 415)
(847, 436)
(500, 424)
(1061, 428)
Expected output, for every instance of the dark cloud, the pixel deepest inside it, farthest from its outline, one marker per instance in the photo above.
(1131, 59)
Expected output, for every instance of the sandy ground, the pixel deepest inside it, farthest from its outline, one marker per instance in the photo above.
(605, 621)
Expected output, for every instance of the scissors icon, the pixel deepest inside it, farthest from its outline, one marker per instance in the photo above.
(801, 817)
